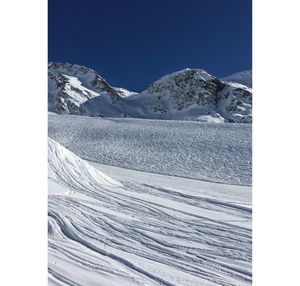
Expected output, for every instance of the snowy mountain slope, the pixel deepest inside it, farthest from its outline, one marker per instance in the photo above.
(69, 86)
(103, 232)
(194, 94)
(235, 103)
(211, 152)
(190, 94)
(243, 77)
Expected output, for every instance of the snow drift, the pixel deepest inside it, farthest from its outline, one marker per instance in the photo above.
(67, 172)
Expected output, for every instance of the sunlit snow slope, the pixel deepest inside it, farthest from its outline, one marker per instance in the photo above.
(105, 232)
(212, 152)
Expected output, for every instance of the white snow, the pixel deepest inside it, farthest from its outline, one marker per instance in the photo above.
(124, 92)
(148, 229)
(235, 193)
(64, 167)
(211, 152)
(243, 77)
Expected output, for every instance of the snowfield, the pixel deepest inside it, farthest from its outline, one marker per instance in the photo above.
(204, 151)
(115, 226)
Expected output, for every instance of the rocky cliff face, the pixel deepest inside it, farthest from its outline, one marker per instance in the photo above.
(190, 94)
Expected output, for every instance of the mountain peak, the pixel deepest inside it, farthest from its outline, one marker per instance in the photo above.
(186, 74)
(71, 69)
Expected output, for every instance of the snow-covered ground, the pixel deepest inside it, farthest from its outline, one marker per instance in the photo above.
(116, 226)
(205, 151)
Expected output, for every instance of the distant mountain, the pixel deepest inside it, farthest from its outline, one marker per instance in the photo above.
(243, 77)
(190, 94)
(69, 86)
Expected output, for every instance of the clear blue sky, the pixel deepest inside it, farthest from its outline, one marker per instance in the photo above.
(131, 43)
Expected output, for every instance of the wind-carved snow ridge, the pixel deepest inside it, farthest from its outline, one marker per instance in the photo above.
(102, 232)
(67, 171)
(189, 94)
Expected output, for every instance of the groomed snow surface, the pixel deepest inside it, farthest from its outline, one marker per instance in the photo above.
(206, 151)
(174, 209)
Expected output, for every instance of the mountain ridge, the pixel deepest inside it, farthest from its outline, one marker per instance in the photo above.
(189, 94)
(242, 77)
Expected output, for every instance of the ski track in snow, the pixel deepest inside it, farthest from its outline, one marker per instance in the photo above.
(205, 151)
(139, 229)
(153, 237)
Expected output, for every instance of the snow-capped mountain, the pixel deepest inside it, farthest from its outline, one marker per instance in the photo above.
(243, 77)
(196, 95)
(190, 94)
(69, 86)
